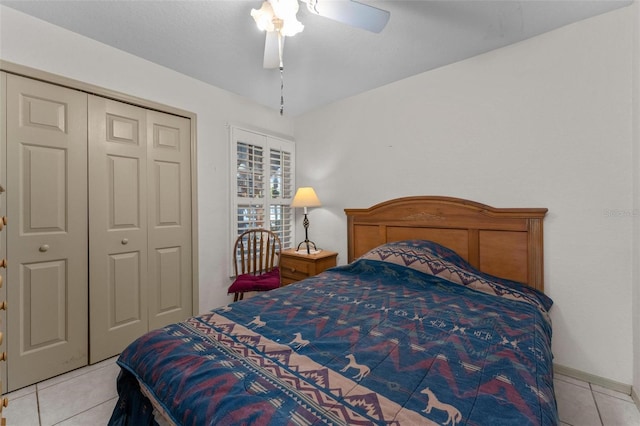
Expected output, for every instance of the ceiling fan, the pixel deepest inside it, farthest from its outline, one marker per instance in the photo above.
(278, 19)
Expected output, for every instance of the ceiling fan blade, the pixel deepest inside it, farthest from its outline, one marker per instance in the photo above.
(271, 50)
(351, 13)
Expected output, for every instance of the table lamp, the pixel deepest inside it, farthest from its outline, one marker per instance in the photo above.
(306, 197)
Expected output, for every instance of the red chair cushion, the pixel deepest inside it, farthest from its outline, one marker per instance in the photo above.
(263, 282)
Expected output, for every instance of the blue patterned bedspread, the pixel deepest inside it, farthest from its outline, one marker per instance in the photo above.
(368, 343)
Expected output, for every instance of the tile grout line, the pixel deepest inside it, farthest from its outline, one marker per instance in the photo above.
(596, 404)
(84, 411)
(93, 367)
(38, 386)
(38, 406)
(612, 396)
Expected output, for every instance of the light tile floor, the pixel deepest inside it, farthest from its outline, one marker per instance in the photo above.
(87, 396)
(83, 397)
(584, 404)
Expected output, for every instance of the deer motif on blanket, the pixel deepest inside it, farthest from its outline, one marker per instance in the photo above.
(257, 322)
(363, 370)
(298, 342)
(453, 414)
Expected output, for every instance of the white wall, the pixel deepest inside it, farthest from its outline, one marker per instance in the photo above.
(544, 123)
(28, 41)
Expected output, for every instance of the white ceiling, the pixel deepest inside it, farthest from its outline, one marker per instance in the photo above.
(216, 41)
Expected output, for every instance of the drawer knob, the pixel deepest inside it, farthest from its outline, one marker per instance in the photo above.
(3, 305)
(3, 263)
(43, 248)
(3, 356)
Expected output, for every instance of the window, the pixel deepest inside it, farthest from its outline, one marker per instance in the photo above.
(262, 187)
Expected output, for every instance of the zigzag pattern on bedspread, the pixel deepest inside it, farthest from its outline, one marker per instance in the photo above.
(368, 343)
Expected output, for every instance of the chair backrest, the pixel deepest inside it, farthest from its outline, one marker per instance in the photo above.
(256, 251)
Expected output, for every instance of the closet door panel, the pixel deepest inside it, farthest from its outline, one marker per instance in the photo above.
(124, 288)
(170, 278)
(117, 226)
(123, 192)
(44, 177)
(45, 287)
(167, 189)
(168, 273)
(47, 240)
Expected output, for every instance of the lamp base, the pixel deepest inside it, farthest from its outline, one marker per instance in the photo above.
(308, 245)
(303, 252)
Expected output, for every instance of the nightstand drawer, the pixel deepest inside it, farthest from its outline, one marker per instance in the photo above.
(296, 266)
(290, 276)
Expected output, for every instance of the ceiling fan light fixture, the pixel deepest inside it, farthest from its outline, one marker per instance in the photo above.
(278, 15)
(264, 17)
(291, 27)
(278, 18)
(286, 10)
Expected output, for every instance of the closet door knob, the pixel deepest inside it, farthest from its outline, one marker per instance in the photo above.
(4, 220)
(0, 283)
(3, 305)
(44, 248)
(3, 263)
(125, 241)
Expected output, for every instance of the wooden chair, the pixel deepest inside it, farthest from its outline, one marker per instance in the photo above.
(256, 253)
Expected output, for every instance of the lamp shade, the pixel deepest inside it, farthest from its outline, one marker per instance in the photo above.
(305, 197)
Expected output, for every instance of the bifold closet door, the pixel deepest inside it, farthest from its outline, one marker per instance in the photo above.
(117, 226)
(169, 207)
(139, 222)
(46, 196)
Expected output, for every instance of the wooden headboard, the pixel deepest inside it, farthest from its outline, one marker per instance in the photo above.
(507, 243)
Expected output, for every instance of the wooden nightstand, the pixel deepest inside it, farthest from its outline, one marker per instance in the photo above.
(295, 267)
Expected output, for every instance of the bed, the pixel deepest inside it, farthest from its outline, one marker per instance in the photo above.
(439, 318)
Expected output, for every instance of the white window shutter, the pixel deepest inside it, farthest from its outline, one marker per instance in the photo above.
(263, 184)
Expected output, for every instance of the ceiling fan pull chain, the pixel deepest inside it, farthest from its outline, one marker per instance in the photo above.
(280, 37)
(281, 90)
